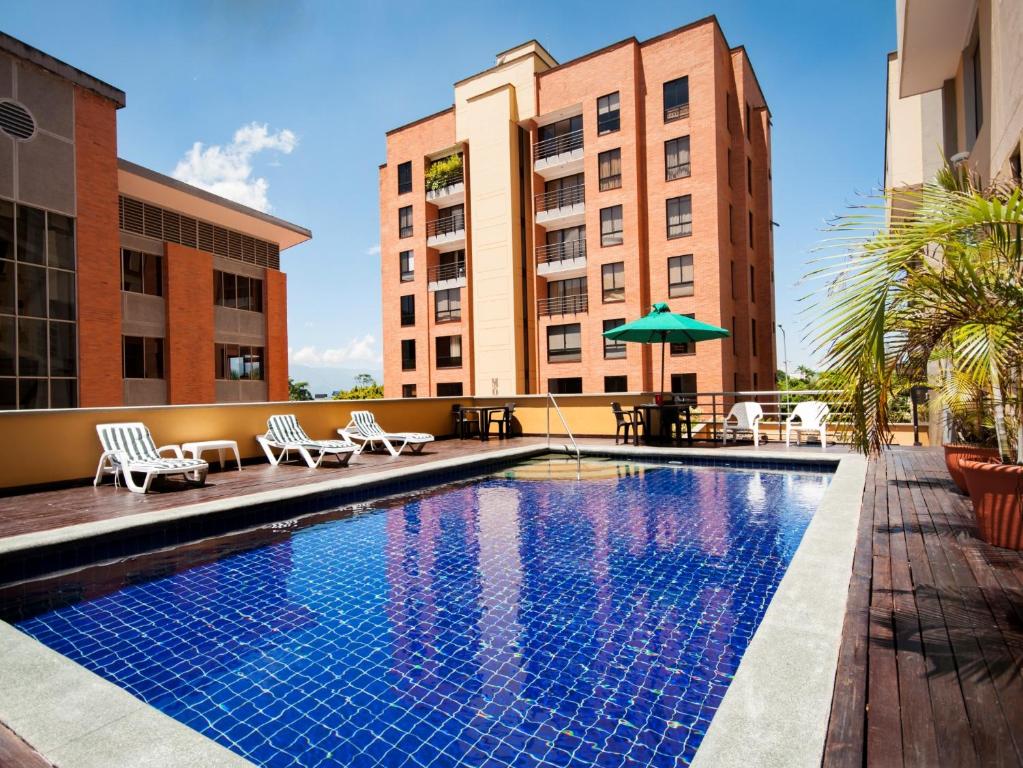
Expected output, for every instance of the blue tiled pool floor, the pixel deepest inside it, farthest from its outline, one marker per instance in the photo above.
(509, 621)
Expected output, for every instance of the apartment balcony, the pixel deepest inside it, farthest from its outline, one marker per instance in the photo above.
(444, 276)
(559, 156)
(565, 260)
(448, 189)
(565, 207)
(447, 234)
(563, 305)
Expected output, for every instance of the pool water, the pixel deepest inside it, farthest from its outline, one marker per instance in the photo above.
(523, 619)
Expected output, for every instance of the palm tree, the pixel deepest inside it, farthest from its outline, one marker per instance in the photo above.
(935, 276)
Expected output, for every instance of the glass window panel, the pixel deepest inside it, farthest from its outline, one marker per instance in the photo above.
(242, 289)
(62, 349)
(134, 357)
(254, 365)
(220, 364)
(235, 362)
(680, 216)
(31, 290)
(405, 177)
(613, 279)
(32, 393)
(62, 294)
(7, 283)
(63, 393)
(8, 346)
(8, 394)
(152, 277)
(611, 225)
(60, 236)
(6, 230)
(31, 235)
(255, 294)
(230, 290)
(131, 271)
(31, 347)
(407, 265)
(218, 288)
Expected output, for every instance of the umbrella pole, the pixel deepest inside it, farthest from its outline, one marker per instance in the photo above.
(663, 339)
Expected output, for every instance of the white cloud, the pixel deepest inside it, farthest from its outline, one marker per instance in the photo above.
(358, 350)
(227, 170)
(373, 250)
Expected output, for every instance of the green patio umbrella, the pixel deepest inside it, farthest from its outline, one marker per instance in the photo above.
(664, 326)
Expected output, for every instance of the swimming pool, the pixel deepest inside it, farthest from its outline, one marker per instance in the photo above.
(522, 619)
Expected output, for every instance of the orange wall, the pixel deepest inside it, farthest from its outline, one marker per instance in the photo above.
(276, 308)
(98, 251)
(189, 346)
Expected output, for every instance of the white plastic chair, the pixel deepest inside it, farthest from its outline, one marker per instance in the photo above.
(284, 433)
(812, 416)
(128, 447)
(365, 430)
(743, 418)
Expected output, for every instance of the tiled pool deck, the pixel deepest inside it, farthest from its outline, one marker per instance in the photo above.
(929, 668)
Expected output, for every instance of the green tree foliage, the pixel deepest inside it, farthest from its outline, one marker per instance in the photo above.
(366, 388)
(299, 390)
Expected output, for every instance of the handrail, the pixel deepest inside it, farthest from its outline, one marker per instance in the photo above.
(563, 197)
(445, 180)
(568, 431)
(557, 145)
(563, 251)
(572, 304)
(445, 226)
(439, 272)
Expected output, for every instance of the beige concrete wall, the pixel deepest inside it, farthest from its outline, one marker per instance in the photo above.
(913, 134)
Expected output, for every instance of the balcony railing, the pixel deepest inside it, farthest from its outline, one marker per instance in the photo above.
(449, 362)
(682, 229)
(446, 226)
(449, 179)
(563, 305)
(561, 198)
(676, 113)
(441, 272)
(447, 315)
(680, 171)
(558, 145)
(563, 251)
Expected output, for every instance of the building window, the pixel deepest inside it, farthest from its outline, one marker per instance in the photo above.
(676, 159)
(405, 178)
(142, 357)
(683, 383)
(613, 348)
(564, 244)
(680, 216)
(616, 383)
(973, 91)
(562, 193)
(141, 272)
(753, 335)
(237, 291)
(38, 348)
(613, 281)
(405, 221)
(608, 114)
(564, 343)
(408, 390)
(450, 389)
(565, 297)
(749, 175)
(728, 111)
(449, 351)
(676, 99)
(683, 348)
(609, 165)
(611, 225)
(450, 266)
(407, 265)
(749, 227)
(447, 305)
(752, 284)
(680, 276)
(235, 363)
(408, 310)
(408, 354)
(565, 386)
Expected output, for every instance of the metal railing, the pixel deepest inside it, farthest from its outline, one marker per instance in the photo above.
(449, 179)
(449, 362)
(562, 197)
(447, 315)
(563, 305)
(440, 272)
(563, 251)
(614, 181)
(680, 230)
(446, 226)
(676, 113)
(558, 145)
(568, 431)
(680, 171)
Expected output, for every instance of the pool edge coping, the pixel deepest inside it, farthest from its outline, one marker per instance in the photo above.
(776, 710)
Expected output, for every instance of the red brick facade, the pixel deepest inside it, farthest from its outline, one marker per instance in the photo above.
(98, 251)
(276, 303)
(189, 345)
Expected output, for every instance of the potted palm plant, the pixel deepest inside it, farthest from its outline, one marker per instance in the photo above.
(929, 283)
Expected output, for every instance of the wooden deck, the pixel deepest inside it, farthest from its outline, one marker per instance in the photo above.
(931, 664)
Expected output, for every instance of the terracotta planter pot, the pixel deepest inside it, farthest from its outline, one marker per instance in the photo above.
(997, 494)
(957, 452)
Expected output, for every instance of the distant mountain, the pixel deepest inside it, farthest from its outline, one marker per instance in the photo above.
(323, 381)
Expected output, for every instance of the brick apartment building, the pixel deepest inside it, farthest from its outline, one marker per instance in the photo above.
(118, 285)
(554, 201)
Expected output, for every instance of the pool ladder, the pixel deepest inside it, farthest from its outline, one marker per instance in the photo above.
(578, 455)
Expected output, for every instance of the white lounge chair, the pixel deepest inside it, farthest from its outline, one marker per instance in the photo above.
(284, 434)
(743, 418)
(128, 447)
(364, 429)
(812, 416)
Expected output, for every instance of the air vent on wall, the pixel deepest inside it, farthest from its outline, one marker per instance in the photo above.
(15, 121)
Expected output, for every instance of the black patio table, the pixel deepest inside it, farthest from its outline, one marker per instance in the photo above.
(666, 414)
(484, 412)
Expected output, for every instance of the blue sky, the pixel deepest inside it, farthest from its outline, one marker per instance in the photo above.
(328, 79)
